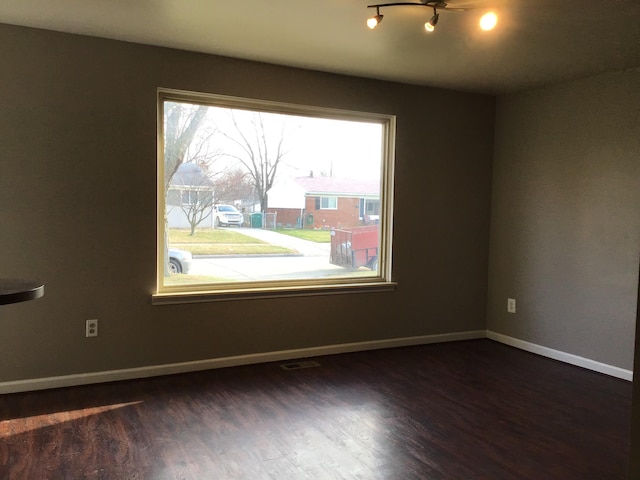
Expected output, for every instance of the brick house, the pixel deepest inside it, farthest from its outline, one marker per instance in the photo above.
(324, 202)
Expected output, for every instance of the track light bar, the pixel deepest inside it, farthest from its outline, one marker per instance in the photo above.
(487, 22)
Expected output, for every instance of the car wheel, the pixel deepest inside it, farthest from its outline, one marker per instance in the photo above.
(174, 266)
(218, 224)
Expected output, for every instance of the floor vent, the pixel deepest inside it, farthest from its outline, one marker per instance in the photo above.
(298, 365)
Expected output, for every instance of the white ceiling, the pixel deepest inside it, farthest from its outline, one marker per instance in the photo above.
(536, 42)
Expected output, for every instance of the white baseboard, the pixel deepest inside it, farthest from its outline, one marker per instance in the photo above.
(184, 367)
(562, 356)
(157, 370)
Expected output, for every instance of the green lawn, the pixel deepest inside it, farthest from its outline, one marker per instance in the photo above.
(209, 235)
(220, 241)
(318, 236)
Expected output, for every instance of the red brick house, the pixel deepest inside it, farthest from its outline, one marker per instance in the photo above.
(324, 202)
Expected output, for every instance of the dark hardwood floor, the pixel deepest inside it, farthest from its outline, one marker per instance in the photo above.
(466, 410)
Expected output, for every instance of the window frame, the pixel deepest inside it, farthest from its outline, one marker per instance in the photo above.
(194, 293)
(329, 199)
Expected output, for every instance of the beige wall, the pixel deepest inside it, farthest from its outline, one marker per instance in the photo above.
(565, 221)
(77, 189)
(78, 196)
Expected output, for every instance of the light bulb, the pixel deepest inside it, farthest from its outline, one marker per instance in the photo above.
(488, 21)
(430, 26)
(374, 21)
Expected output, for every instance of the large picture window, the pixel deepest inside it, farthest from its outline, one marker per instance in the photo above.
(259, 198)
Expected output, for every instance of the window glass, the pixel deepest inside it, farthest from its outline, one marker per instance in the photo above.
(256, 195)
(329, 203)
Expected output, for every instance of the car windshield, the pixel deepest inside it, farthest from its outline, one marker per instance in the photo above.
(226, 208)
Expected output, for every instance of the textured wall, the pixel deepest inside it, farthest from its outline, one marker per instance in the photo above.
(78, 196)
(565, 221)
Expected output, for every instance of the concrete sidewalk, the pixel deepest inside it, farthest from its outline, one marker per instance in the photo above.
(305, 247)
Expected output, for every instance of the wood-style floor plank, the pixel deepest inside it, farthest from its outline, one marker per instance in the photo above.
(472, 410)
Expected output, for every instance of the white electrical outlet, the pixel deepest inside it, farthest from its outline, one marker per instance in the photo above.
(511, 305)
(91, 328)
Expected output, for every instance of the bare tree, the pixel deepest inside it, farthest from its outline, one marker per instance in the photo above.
(182, 122)
(261, 151)
(198, 207)
(233, 184)
(191, 190)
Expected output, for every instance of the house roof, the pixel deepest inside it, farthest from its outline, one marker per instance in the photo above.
(338, 186)
(191, 175)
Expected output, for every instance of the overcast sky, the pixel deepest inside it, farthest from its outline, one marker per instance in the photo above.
(348, 149)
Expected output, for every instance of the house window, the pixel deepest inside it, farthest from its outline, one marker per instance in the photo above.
(259, 198)
(372, 207)
(195, 197)
(328, 203)
(174, 197)
(189, 197)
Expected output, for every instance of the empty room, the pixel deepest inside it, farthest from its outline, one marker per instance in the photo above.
(331, 240)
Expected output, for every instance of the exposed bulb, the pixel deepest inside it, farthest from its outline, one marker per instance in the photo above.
(488, 21)
(430, 26)
(374, 21)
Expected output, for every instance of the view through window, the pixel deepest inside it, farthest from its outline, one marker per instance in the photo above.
(256, 194)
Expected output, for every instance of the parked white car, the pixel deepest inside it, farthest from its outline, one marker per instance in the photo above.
(179, 261)
(227, 215)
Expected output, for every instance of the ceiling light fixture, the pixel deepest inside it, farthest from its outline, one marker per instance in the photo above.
(430, 26)
(373, 22)
(487, 22)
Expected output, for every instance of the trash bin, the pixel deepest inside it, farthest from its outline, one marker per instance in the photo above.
(256, 220)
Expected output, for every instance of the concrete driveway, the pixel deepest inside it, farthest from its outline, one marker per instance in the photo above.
(305, 247)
